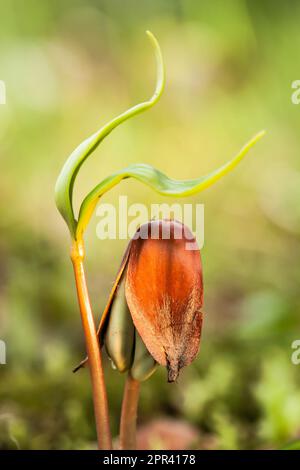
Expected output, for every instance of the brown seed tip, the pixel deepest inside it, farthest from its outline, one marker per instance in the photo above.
(172, 373)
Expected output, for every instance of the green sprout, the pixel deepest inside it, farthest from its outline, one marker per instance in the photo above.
(77, 225)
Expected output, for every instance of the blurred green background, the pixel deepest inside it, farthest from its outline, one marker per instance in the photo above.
(71, 65)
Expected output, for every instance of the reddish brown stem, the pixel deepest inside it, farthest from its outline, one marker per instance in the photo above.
(93, 350)
(129, 414)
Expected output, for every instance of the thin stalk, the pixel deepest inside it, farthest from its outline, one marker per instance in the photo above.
(129, 414)
(93, 350)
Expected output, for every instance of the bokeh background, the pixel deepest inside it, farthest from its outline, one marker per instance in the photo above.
(71, 65)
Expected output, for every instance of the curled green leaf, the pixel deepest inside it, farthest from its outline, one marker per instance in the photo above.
(65, 182)
(158, 181)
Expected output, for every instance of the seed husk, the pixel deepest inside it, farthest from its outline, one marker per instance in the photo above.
(164, 292)
(143, 365)
(119, 335)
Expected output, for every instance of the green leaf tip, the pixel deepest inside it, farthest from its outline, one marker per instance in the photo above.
(160, 68)
(159, 182)
(66, 179)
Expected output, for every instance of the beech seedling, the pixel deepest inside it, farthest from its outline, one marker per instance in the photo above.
(153, 314)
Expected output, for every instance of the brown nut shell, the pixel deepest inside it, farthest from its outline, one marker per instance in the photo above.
(164, 292)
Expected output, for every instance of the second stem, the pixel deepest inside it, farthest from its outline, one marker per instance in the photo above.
(129, 414)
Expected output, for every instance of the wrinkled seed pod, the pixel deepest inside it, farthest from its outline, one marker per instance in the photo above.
(119, 336)
(143, 365)
(164, 292)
